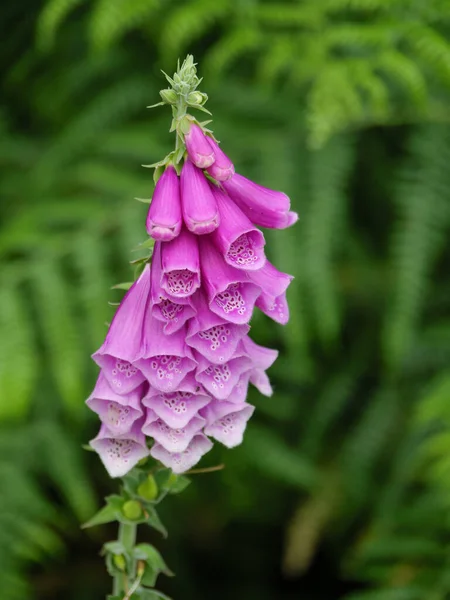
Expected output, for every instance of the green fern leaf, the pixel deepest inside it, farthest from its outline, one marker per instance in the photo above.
(111, 19)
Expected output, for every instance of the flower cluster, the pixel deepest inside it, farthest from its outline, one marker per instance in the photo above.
(177, 360)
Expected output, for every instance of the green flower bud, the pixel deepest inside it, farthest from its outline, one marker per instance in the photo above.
(196, 99)
(172, 479)
(132, 509)
(169, 96)
(148, 489)
(119, 562)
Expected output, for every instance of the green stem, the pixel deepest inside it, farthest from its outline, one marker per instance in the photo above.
(127, 535)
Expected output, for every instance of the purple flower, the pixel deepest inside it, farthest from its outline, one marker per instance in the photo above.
(222, 168)
(176, 409)
(172, 439)
(200, 212)
(117, 412)
(226, 422)
(164, 215)
(241, 244)
(180, 462)
(172, 312)
(264, 207)
(211, 335)
(166, 359)
(177, 361)
(120, 453)
(198, 147)
(229, 292)
(180, 265)
(219, 380)
(124, 343)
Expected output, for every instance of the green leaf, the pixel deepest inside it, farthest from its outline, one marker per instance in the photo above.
(152, 519)
(111, 512)
(180, 484)
(150, 555)
(115, 547)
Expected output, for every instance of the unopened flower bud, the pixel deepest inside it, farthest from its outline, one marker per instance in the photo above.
(132, 509)
(148, 489)
(119, 562)
(196, 99)
(169, 96)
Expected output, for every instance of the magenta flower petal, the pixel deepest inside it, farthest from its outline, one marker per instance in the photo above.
(173, 313)
(230, 294)
(166, 359)
(124, 341)
(211, 335)
(219, 380)
(222, 168)
(260, 379)
(180, 265)
(239, 392)
(261, 357)
(176, 408)
(275, 308)
(241, 244)
(117, 412)
(172, 439)
(198, 147)
(227, 421)
(272, 300)
(120, 453)
(200, 212)
(164, 214)
(264, 207)
(180, 462)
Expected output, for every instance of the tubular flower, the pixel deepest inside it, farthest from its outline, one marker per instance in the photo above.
(164, 215)
(177, 360)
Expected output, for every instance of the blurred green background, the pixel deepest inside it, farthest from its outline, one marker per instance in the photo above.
(342, 487)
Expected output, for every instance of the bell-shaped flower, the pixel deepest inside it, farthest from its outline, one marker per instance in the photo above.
(124, 343)
(166, 359)
(241, 244)
(164, 214)
(229, 292)
(172, 439)
(272, 300)
(264, 207)
(219, 380)
(211, 335)
(222, 168)
(180, 462)
(198, 147)
(120, 453)
(180, 265)
(200, 212)
(178, 408)
(173, 313)
(117, 412)
(226, 422)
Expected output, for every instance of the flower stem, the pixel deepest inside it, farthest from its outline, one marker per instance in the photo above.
(127, 535)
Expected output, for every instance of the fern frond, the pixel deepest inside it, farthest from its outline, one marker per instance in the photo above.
(329, 173)
(53, 296)
(18, 364)
(111, 19)
(51, 18)
(418, 235)
(187, 23)
(230, 48)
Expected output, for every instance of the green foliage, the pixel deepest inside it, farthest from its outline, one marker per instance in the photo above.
(358, 62)
(351, 455)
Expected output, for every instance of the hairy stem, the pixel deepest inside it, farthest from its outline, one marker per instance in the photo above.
(127, 535)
